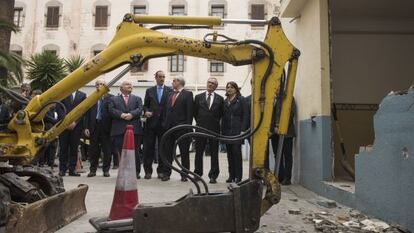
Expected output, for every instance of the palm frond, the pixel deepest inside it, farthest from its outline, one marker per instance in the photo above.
(74, 63)
(9, 26)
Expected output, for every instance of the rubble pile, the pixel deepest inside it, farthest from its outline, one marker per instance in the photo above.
(353, 222)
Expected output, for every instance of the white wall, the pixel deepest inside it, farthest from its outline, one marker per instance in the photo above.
(370, 58)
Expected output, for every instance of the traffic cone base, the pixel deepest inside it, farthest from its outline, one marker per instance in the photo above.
(123, 204)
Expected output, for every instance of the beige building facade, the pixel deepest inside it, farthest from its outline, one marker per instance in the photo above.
(82, 27)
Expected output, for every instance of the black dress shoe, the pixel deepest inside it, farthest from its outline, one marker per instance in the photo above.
(183, 179)
(165, 178)
(62, 173)
(106, 174)
(91, 174)
(147, 176)
(213, 181)
(229, 180)
(74, 174)
(138, 176)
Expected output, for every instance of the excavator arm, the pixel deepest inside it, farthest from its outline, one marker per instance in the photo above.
(134, 44)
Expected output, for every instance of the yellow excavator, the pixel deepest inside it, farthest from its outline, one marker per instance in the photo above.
(34, 199)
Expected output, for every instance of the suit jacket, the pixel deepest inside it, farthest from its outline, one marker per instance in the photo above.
(205, 117)
(181, 112)
(70, 104)
(4, 116)
(117, 106)
(158, 109)
(291, 133)
(90, 118)
(235, 117)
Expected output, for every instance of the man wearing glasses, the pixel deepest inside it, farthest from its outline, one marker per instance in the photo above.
(154, 109)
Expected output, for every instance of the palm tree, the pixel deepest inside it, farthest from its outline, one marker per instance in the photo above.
(11, 72)
(73, 63)
(45, 69)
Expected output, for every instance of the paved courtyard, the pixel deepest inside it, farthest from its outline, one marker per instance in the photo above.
(297, 211)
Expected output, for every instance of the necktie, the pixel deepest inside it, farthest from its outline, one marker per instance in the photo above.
(174, 97)
(159, 94)
(209, 100)
(99, 110)
(126, 100)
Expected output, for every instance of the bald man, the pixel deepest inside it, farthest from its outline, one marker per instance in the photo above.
(126, 109)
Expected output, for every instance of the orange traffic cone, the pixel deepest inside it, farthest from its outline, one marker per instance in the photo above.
(126, 193)
(78, 165)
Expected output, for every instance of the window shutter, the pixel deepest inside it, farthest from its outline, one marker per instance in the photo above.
(258, 11)
(52, 17)
(101, 16)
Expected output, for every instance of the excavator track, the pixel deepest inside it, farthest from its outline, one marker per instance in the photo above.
(34, 200)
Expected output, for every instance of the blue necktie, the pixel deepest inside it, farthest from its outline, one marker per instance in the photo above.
(99, 111)
(159, 94)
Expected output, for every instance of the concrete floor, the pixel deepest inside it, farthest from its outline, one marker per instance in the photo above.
(277, 219)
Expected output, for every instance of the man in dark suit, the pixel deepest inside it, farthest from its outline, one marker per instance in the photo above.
(5, 116)
(208, 110)
(286, 160)
(155, 104)
(179, 111)
(98, 129)
(70, 138)
(126, 109)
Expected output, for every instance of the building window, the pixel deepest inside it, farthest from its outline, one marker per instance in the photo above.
(52, 17)
(101, 16)
(54, 52)
(140, 10)
(177, 63)
(257, 11)
(178, 10)
(18, 16)
(217, 10)
(18, 52)
(96, 52)
(143, 68)
(216, 67)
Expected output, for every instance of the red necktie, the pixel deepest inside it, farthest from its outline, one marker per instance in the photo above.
(174, 97)
(126, 100)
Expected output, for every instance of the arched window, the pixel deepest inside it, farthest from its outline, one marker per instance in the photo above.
(96, 49)
(217, 8)
(139, 7)
(178, 7)
(16, 49)
(51, 48)
(53, 13)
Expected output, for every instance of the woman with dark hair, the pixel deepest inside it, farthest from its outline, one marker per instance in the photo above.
(234, 122)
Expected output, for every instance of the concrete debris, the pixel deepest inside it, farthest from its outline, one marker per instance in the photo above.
(294, 211)
(327, 204)
(323, 213)
(375, 226)
(293, 199)
(352, 224)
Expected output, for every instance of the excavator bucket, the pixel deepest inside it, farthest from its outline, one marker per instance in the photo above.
(48, 214)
